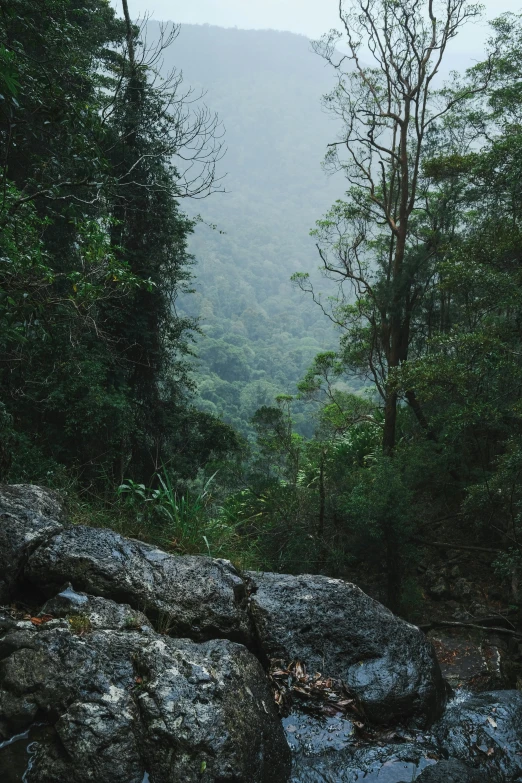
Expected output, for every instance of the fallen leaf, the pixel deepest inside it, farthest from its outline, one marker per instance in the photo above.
(300, 670)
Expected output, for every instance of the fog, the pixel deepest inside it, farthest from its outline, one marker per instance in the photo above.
(306, 17)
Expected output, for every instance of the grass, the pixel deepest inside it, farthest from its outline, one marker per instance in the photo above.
(189, 522)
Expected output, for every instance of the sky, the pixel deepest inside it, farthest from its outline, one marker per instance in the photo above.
(307, 17)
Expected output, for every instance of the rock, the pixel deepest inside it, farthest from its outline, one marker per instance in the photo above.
(96, 612)
(198, 597)
(452, 771)
(22, 498)
(315, 735)
(17, 753)
(398, 763)
(484, 731)
(470, 659)
(479, 610)
(462, 615)
(121, 704)
(335, 628)
(28, 516)
(462, 590)
(439, 589)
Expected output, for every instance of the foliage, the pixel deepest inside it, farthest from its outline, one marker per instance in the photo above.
(258, 334)
(93, 249)
(183, 523)
(80, 624)
(457, 297)
(415, 416)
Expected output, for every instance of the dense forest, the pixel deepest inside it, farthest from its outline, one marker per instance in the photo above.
(259, 334)
(345, 424)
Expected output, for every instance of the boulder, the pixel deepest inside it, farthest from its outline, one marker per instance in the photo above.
(462, 590)
(197, 597)
(28, 516)
(452, 771)
(123, 705)
(94, 612)
(395, 763)
(334, 628)
(471, 658)
(313, 735)
(485, 731)
(24, 499)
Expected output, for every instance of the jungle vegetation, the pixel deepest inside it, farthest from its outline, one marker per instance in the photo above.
(268, 422)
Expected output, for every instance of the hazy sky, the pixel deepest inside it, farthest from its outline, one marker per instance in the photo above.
(309, 17)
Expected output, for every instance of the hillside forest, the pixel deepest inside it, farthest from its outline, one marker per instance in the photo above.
(303, 369)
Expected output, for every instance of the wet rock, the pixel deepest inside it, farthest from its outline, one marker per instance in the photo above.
(95, 612)
(199, 597)
(400, 763)
(121, 704)
(470, 659)
(28, 516)
(335, 628)
(452, 771)
(16, 754)
(484, 731)
(313, 735)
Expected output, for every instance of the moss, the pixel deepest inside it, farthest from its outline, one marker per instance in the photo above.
(80, 624)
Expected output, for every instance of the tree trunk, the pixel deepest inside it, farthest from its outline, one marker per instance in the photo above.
(397, 351)
(320, 525)
(419, 413)
(390, 424)
(393, 569)
(391, 540)
(130, 34)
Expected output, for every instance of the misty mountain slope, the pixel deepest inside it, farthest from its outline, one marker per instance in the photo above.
(260, 333)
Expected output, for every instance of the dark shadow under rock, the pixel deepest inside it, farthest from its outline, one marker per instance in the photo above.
(336, 629)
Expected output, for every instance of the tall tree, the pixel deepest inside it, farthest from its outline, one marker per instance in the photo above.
(93, 243)
(388, 103)
(378, 240)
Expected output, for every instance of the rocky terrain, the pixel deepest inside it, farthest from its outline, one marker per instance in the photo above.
(122, 663)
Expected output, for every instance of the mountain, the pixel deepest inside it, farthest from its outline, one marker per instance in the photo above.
(259, 332)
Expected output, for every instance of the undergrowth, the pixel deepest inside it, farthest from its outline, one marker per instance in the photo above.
(191, 522)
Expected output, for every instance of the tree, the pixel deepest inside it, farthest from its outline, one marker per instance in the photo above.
(388, 109)
(378, 240)
(93, 244)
